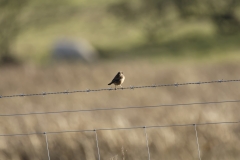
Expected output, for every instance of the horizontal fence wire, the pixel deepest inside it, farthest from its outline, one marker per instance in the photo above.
(120, 108)
(123, 88)
(125, 128)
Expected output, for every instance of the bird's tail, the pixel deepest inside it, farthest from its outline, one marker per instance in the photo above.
(110, 83)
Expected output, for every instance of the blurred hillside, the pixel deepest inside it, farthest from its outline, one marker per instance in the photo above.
(137, 28)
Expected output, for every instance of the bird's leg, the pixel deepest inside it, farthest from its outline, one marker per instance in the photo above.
(115, 87)
(121, 86)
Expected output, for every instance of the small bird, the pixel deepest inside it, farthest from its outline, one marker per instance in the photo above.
(118, 79)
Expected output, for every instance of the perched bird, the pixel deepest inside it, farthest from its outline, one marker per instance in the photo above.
(118, 79)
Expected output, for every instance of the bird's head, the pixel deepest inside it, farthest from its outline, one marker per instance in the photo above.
(119, 73)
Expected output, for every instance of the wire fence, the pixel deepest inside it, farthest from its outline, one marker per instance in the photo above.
(123, 88)
(119, 108)
(126, 128)
(123, 128)
(148, 149)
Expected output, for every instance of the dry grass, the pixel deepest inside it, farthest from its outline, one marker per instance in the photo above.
(216, 141)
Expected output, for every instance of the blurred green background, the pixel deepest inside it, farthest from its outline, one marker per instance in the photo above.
(121, 28)
(152, 42)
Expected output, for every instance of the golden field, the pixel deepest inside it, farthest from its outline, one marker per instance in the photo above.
(216, 141)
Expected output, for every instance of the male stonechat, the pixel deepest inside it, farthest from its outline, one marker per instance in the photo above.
(118, 79)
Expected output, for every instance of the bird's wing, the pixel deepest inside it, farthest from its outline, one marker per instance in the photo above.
(116, 78)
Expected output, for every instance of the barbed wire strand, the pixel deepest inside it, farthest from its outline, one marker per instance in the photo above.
(98, 151)
(199, 152)
(124, 88)
(124, 128)
(119, 108)
(145, 130)
(47, 145)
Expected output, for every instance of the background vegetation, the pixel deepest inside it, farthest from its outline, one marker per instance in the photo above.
(158, 28)
(152, 42)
